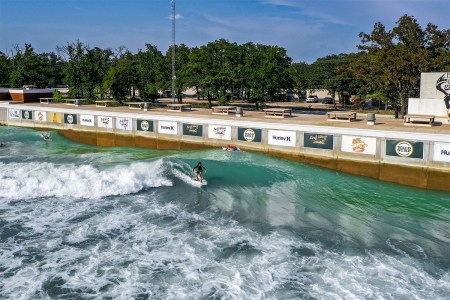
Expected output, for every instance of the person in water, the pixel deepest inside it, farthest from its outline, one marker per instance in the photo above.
(199, 172)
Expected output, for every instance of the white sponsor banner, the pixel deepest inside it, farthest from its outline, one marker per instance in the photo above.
(282, 138)
(219, 132)
(104, 122)
(40, 116)
(124, 123)
(168, 127)
(87, 120)
(441, 152)
(359, 144)
(13, 113)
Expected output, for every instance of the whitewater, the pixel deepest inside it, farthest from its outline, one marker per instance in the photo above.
(84, 222)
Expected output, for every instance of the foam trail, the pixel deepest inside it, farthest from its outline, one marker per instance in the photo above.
(35, 180)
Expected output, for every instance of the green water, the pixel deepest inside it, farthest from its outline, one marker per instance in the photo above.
(87, 222)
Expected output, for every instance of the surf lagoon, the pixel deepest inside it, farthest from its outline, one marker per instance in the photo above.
(83, 222)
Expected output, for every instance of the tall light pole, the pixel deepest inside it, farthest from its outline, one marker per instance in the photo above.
(174, 77)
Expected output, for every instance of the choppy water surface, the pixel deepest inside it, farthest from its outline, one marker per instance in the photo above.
(81, 222)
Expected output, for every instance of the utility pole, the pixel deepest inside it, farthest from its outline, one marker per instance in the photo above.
(174, 77)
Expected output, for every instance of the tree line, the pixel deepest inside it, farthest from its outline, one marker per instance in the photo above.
(387, 66)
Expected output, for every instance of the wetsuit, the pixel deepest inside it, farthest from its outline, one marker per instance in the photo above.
(199, 169)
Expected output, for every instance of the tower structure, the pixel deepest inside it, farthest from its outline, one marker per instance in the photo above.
(174, 77)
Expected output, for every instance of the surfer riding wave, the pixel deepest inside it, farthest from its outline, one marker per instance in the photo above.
(199, 173)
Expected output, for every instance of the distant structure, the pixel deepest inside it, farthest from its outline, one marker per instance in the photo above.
(174, 77)
(434, 96)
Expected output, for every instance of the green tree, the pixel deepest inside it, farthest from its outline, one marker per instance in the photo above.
(398, 56)
(150, 69)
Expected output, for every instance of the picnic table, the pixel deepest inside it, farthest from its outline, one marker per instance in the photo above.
(135, 105)
(278, 112)
(179, 107)
(423, 120)
(104, 103)
(347, 116)
(223, 110)
(46, 100)
(75, 102)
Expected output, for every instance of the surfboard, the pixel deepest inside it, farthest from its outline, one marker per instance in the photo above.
(198, 183)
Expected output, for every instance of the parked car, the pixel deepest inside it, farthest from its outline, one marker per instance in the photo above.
(328, 100)
(312, 99)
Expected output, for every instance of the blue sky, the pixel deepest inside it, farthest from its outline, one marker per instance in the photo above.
(308, 29)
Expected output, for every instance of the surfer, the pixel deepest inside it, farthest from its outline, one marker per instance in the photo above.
(199, 171)
(46, 136)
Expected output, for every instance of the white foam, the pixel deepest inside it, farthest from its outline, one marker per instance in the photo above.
(35, 180)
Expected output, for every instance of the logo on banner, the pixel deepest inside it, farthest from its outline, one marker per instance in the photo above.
(249, 135)
(105, 121)
(220, 130)
(404, 149)
(70, 119)
(41, 116)
(193, 128)
(282, 138)
(318, 139)
(124, 123)
(358, 145)
(14, 113)
(87, 120)
(169, 128)
(27, 115)
(145, 125)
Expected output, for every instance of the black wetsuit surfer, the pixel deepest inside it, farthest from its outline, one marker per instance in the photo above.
(199, 171)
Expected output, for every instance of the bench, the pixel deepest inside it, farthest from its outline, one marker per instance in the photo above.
(75, 102)
(423, 120)
(104, 103)
(46, 100)
(223, 110)
(135, 105)
(179, 107)
(341, 116)
(278, 112)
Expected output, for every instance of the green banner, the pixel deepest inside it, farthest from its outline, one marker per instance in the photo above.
(145, 125)
(318, 140)
(411, 149)
(249, 134)
(27, 115)
(70, 118)
(192, 129)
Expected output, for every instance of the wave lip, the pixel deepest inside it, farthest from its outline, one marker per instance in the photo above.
(36, 180)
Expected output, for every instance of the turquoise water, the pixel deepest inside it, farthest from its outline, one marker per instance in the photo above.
(83, 222)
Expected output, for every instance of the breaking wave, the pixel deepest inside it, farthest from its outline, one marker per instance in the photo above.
(36, 180)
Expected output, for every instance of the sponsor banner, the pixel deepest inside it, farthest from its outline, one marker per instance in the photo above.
(54, 117)
(13, 113)
(249, 135)
(404, 149)
(27, 114)
(70, 119)
(87, 120)
(105, 122)
(320, 141)
(282, 138)
(40, 116)
(166, 127)
(124, 123)
(219, 132)
(359, 144)
(441, 152)
(145, 125)
(193, 129)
